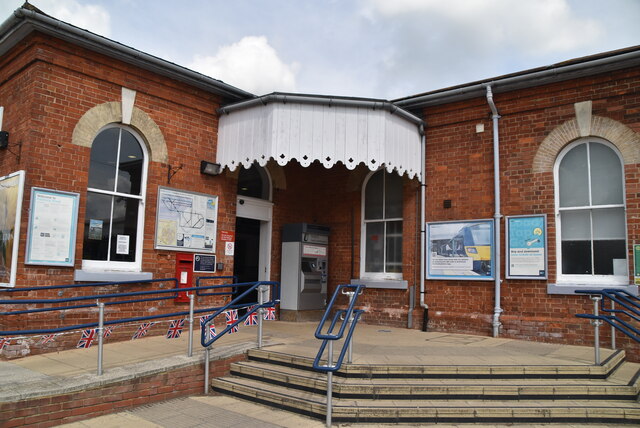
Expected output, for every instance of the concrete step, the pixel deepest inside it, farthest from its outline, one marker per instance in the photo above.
(433, 411)
(624, 386)
(566, 371)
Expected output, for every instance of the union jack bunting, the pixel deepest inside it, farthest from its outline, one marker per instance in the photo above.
(106, 331)
(4, 341)
(212, 327)
(270, 313)
(175, 329)
(232, 316)
(142, 330)
(46, 339)
(252, 319)
(88, 336)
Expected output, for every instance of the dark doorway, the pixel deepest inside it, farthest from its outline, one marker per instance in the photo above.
(247, 256)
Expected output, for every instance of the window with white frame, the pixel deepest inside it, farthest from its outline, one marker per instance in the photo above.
(114, 215)
(590, 213)
(382, 226)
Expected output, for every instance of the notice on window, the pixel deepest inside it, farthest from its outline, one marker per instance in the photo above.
(52, 227)
(526, 250)
(186, 221)
(122, 244)
(636, 264)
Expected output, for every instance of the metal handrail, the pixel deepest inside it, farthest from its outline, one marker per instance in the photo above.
(611, 315)
(349, 316)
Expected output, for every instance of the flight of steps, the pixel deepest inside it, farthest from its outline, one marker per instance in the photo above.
(607, 393)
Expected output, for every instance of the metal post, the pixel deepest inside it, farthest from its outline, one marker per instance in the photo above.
(329, 383)
(100, 333)
(596, 325)
(261, 295)
(613, 329)
(206, 359)
(350, 348)
(191, 306)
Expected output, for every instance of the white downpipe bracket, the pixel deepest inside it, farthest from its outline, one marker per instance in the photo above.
(497, 215)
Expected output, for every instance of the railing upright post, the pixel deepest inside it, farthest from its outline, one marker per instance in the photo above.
(596, 325)
(350, 348)
(261, 295)
(207, 335)
(191, 306)
(613, 329)
(329, 384)
(100, 333)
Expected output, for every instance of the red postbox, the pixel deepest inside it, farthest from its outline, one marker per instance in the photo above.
(184, 274)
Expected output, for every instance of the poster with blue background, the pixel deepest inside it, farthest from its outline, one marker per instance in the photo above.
(526, 238)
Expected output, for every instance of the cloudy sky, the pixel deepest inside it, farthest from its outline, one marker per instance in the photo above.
(370, 48)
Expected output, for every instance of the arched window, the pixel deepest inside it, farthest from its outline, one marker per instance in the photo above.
(114, 217)
(590, 213)
(254, 182)
(382, 226)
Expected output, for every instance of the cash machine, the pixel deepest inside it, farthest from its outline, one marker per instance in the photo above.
(305, 249)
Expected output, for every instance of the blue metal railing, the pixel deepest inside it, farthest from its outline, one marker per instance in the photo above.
(349, 317)
(606, 311)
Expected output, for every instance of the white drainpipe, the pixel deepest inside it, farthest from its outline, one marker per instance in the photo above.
(497, 216)
(423, 180)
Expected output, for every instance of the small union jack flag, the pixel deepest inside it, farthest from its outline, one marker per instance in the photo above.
(270, 313)
(88, 336)
(142, 330)
(212, 326)
(232, 316)
(106, 331)
(252, 319)
(4, 341)
(175, 329)
(46, 339)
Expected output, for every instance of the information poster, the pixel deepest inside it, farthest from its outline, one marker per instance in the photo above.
(53, 219)
(11, 191)
(526, 247)
(460, 250)
(186, 221)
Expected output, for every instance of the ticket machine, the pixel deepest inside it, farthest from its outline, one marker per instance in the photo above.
(305, 249)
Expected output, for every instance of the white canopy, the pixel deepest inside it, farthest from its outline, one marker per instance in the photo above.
(310, 129)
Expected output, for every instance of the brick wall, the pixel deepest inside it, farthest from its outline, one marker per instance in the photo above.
(66, 408)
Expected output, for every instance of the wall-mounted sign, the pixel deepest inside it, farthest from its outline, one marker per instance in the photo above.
(204, 263)
(186, 221)
(11, 191)
(51, 236)
(227, 236)
(460, 250)
(526, 247)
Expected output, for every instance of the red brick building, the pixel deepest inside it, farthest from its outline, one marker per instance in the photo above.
(117, 127)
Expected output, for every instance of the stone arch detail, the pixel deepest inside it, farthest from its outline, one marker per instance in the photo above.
(90, 123)
(624, 138)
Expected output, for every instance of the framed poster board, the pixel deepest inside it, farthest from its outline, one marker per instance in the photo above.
(11, 192)
(636, 264)
(186, 221)
(204, 263)
(526, 247)
(461, 250)
(53, 220)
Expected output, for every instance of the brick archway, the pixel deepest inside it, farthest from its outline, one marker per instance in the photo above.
(624, 138)
(94, 119)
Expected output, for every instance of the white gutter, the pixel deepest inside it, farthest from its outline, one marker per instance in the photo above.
(497, 216)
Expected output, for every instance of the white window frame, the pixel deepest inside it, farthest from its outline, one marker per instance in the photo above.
(587, 280)
(363, 236)
(135, 266)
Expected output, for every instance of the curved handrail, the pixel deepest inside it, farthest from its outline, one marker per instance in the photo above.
(275, 299)
(623, 298)
(349, 316)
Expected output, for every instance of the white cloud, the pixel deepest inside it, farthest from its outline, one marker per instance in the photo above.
(87, 16)
(534, 27)
(251, 64)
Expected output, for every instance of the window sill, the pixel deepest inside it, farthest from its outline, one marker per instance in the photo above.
(393, 284)
(110, 276)
(571, 288)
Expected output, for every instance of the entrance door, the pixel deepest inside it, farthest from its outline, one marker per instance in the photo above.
(246, 261)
